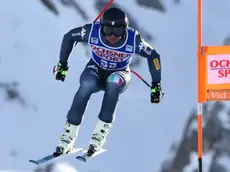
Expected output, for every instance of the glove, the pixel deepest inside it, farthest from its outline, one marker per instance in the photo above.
(155, 92)
(61, 71)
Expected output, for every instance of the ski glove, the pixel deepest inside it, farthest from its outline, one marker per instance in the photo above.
(61, 71)
(155, 92)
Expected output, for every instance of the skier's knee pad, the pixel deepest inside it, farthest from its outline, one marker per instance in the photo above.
(115, 82)
(120, 79)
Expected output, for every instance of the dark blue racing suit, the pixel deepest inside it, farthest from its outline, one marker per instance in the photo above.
(108, 68)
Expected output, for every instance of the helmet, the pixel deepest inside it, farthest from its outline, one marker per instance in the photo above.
(114, 21)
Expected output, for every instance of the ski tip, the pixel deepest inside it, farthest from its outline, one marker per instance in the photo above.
(34, 162)
(81, 158)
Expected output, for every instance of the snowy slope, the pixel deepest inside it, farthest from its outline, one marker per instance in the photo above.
(30, 45)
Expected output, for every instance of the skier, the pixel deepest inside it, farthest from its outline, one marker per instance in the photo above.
(113, 43)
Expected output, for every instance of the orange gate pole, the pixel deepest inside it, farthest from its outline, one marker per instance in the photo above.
(200, 82)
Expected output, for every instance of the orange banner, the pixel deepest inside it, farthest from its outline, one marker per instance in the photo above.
(216, 73)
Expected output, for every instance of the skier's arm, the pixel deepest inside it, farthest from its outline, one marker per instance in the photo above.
(70, 39)
(145, 50)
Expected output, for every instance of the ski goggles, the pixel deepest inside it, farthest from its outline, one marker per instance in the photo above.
(116, 31)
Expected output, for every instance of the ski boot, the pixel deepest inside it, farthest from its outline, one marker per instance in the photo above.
(67, 140)
(99, 137)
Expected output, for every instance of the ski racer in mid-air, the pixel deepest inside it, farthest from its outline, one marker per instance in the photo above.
(112, 43)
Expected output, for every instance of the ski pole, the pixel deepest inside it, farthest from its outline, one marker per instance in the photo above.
(102, 11)
(146, 83)
(142, 79)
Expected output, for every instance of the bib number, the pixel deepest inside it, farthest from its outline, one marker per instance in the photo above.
(109, 65)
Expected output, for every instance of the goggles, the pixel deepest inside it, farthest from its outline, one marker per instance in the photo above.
(116, 31)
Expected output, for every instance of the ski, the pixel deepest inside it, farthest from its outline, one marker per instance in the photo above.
(52, 157)
(83, 157)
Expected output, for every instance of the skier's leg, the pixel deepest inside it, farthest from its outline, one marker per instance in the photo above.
(116, 83)
(89, 84)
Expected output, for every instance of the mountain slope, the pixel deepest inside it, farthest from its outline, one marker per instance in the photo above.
(30, 45)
